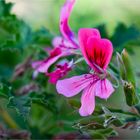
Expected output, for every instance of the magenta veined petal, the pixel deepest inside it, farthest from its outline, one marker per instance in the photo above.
(99, 51)
(64, 17)
(95, 50)
(72, 86)
(87, 101)
(83, 35)
(103, 89)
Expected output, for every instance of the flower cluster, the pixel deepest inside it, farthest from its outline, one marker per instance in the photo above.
(96, 51)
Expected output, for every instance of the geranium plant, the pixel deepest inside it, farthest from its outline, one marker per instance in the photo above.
(44, 76)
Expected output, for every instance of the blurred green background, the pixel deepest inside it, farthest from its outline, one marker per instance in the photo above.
(90, 13)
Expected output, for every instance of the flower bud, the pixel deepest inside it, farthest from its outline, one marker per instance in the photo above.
(130, 93)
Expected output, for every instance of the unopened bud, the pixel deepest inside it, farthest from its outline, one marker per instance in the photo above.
(130, 93)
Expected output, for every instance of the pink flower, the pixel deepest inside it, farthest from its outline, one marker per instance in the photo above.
(61, 70)
(61, 49)
(97, 53)
(62, 46)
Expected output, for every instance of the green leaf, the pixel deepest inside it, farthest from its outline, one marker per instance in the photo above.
(5, 8)
(115, 116)
(74, 103)
(103, 30)
(130, 93)
(15, 34)
(108, 132)
(96, 135)
(92, 122)
(21, 104)
(45, 100)
(123, 35)
(5, 90)
(42, 37)
(117, 122)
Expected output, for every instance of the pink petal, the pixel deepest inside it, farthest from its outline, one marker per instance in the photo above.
(60, 71)
(62, 43)
(53, 77)
(87, 101)
(103, 89)
(72, 86)
(35, 64)
(57, 41)
(99, 51)
(64, 27)
(83, 35)
(44, 66)
(55, 52)
(48, 49)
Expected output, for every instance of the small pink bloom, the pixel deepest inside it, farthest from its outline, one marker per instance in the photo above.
(61, 70)
(97, 52)
(43, 65)
(62, 46)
